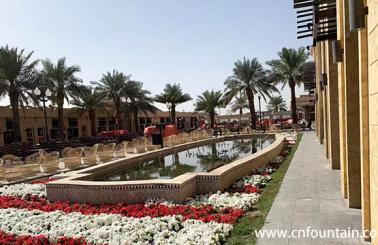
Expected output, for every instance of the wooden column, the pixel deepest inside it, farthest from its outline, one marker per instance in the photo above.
(341, 92)
(319, 94)
(352, 110)
(372, 35)
(364, 130)
(333, 110)
(325, 98)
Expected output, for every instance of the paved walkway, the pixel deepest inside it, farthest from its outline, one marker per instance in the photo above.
(310, 196)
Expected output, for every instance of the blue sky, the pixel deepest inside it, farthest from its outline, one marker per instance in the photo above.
(192, 42)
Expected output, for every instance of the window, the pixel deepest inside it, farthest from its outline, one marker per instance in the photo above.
(9, 124)
(84, 131)
(8, 137)
(41, 132)
(101, 124)
(29, 135)
(144, 122)
(55, 123)
(162, 120)
(54, 132)
(72, 123)
(181, 123)
(112, 124)
(194, 122)
(72, 130)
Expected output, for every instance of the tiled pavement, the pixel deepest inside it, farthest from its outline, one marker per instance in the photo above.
(310, 197)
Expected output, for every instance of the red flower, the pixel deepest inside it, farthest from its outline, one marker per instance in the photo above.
(251, 189)
(206, 213)
(38, 240)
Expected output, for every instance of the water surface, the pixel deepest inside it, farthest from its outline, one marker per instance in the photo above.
(200, 159)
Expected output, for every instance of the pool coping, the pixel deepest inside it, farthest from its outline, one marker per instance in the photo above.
(76, 186)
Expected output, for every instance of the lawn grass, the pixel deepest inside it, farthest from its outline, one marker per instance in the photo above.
(244, 230)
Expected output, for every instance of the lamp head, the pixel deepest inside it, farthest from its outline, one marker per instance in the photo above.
(48, 93)
(37, 92)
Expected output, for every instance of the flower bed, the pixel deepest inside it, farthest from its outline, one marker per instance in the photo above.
(27, 217)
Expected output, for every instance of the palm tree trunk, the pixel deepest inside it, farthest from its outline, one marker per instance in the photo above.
(293, 103)
(136, 120)
(92, 118)
(240, 117)
(16, 116)
(252, 110)
(60, 102)
(118, 111)
(119, 120)
(212, 119)
(128, 121)
(173, 114)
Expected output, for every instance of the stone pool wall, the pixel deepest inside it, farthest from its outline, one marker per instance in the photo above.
(77, 186)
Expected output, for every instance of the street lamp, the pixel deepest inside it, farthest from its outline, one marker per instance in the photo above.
(169, 106)
(43, 95)
(259, 96)
(126, 100)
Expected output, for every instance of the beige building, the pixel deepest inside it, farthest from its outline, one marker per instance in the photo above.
(32, 123)
(306, 107)
(344, 48)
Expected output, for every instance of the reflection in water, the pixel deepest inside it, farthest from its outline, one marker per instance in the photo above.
(200, 159)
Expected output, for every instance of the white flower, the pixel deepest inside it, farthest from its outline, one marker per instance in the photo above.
(23, 190)
(257, 180)
(219, 200)
(112, 228)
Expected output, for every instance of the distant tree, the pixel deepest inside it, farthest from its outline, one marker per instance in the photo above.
(288, 69)
(89, 100)
(140, 101)
(17, 75)
(62, 81)
(173, 95)
(208, 102)
(249, 78)
(112, 84)
(239, 104)
(276, 104)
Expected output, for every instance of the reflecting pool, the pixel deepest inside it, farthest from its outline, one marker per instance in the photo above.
(200, 159)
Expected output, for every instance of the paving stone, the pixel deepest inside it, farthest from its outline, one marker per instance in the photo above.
(310, 196)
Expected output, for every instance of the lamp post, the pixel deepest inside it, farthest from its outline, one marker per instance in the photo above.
(169, 106)
(43, 95)
(259, 96)
(126, 100)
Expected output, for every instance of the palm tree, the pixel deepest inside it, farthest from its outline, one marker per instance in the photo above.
(112, 84)
(288, 69)
(89, 100)
(173, 95)
(249, 78)
(62, 81)
(140, 101)
(208, 102)
(17, 76)
(276, 104)
(239, 104)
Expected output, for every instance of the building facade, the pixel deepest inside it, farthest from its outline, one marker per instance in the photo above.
(32, 123)
(345, 51)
